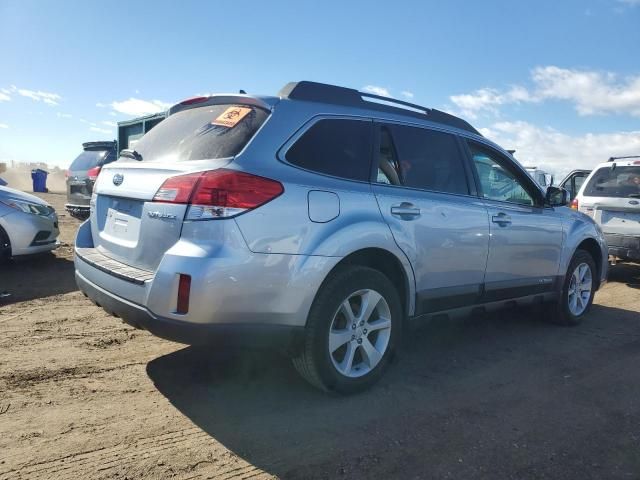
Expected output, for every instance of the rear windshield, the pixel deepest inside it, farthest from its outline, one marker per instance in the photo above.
(216, 131)
(614, 182)
(88, 159)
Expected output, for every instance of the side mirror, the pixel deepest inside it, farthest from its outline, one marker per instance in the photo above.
(556, 197)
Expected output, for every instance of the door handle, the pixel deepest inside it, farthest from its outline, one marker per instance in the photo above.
(501, 219)
(405, 210)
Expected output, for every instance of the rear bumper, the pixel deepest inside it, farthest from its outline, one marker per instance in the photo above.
(624, 246)
(284, 337)
(78, 211)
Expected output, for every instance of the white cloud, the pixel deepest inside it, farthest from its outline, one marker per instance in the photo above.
(4, 97)
(631, 3)
(63, 115)
(101, 105)
(49, 98)
(383, 92)
(113, 114)
(109, 123)
(489, 99)
(93, 124)
(101, 130)
(407, 94)
(4, 125)
(590, 92)
(137, 107)
(559, 152)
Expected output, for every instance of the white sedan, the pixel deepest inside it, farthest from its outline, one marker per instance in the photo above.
(28, 224)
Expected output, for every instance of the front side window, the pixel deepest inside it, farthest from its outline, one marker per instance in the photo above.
(614, 181)
(421, 158)
(496, 181)
(338, 147)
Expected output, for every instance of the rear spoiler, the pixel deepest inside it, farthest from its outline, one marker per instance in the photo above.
(100, 145)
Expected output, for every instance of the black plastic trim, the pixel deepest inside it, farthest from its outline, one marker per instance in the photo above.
(220, 334)
(332, 94)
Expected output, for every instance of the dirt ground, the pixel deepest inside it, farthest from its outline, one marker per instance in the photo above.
(503, 396)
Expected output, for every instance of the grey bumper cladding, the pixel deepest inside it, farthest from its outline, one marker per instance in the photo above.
(623, 246)
(223, 335)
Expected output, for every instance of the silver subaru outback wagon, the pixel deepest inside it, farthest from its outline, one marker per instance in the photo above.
(319, 222)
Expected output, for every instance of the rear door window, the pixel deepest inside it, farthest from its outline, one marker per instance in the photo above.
(338, 147)
(203, 133)
(421, 158)
(614, 181)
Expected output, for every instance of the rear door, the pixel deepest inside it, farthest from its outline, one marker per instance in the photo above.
(423, 191)
(526, 237)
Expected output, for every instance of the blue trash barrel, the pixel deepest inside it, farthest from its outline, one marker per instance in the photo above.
(39, 178)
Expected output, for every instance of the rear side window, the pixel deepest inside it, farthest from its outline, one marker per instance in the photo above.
(421, 158)
(88, 159)
(203, 133)
(339, 147)
(614, 182)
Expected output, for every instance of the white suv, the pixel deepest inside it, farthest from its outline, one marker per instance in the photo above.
(611, 196)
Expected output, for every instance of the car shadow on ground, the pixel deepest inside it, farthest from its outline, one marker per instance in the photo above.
(38, 276)
(627, 273)
(461, 389)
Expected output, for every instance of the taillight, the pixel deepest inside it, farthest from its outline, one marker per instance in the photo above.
(66, 174)
(93, 173)
(218, 193)
(574, 204)
(184, 291)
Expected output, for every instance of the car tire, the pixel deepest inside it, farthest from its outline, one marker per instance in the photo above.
(365, 349)
(574, 303)
(5, 246)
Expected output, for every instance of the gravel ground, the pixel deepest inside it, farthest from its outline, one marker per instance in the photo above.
(501, 396)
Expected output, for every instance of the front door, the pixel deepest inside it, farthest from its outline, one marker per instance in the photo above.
(526, 236)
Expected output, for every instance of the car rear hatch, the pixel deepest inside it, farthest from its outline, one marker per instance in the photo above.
(612, 198)
(135, 219)
(81, 175)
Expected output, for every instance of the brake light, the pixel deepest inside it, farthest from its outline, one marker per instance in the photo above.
(93, 173)
(218, 193)
(66, 174)
(574, 204)
(184, 291)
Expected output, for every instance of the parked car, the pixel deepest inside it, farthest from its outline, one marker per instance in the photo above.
(611, 196)
(541, 177)
(573, 182)
(28, 224)
(82, 175)
(320, 221)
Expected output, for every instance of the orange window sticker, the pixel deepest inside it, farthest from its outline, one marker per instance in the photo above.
(231, 116)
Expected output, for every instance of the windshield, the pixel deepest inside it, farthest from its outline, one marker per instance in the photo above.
(215, 131)
(88, 159)
(614, 182)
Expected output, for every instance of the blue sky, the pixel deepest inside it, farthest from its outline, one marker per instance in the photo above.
(557, 81)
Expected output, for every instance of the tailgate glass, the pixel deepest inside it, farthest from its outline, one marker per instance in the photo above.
(614, 182)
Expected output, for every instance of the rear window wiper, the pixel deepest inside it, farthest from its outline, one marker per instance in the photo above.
(130, 154)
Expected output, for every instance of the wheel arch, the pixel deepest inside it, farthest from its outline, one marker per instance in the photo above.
(592, 247)
(389, 265)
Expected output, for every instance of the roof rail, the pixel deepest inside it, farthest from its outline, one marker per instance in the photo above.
(325, 93)
(611, 159)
